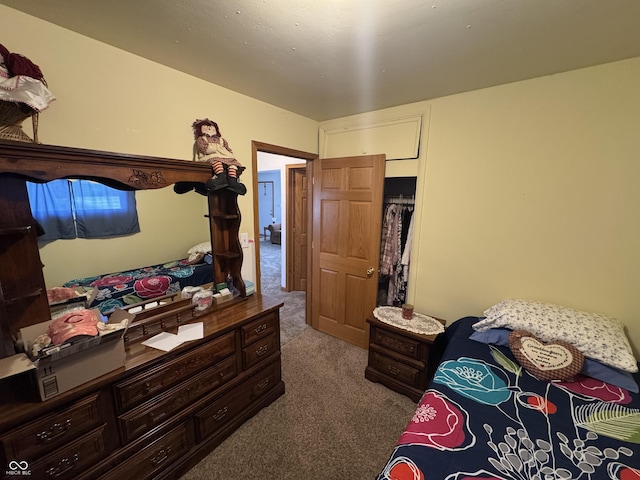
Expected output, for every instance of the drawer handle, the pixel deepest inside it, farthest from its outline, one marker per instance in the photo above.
(262, 350)
(64, 465)
(393, 370)
(263, 383)
(161, 456)
(56, 430)
(261, 328)
(220, 414)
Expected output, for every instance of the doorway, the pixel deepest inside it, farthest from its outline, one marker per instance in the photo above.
(273, 166)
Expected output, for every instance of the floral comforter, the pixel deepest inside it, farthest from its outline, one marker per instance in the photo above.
(484, 417)
(119, 289)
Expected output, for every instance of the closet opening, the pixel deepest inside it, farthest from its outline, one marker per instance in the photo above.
(396, 239)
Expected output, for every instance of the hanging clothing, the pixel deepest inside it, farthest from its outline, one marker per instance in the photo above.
(397, 231)
(395, 292)
(406, 253)
(389, 245)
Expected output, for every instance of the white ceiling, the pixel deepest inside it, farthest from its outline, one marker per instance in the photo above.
(329, 58)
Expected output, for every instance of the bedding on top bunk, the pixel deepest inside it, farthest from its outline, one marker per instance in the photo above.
(485, 416)
(119, 289)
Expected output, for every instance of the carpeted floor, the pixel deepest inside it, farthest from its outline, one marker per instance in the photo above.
(292, 314)
(331, 423)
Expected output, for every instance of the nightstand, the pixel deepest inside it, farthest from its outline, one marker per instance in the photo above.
(401, 360)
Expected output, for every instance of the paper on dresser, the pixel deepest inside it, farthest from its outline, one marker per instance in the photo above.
(164, 341)
(192, 331)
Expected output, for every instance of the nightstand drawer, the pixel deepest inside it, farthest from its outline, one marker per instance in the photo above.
(394, 369)
(402, 345)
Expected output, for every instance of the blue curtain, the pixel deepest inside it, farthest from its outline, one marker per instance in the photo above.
(82, 208)
(102, 211)
(51, 207)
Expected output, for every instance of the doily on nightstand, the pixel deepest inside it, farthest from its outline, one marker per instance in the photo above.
(418, 324)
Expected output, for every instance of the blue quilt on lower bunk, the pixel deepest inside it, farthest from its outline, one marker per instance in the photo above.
(485, 417)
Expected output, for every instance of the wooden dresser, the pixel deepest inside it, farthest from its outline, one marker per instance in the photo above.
(160, 414)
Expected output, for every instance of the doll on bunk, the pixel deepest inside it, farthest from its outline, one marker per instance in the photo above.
(212, 148)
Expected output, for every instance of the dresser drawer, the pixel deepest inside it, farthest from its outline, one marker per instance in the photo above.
(141, 387)
(394, 369)
(259, 350)
(156, 456)
(73, 459)
(46, 433)
(154, 412)
(402, 345)
(219, 413)
(259, 328)
(264, 380)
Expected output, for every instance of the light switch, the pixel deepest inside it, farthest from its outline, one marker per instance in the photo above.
(244, 240)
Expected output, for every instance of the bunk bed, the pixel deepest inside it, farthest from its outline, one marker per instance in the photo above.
(488, 414)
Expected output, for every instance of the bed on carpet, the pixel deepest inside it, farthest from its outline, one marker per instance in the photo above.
(486, 416)
(119, 289)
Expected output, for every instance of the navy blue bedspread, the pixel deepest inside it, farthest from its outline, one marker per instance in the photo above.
(124, 288)
(485, 417)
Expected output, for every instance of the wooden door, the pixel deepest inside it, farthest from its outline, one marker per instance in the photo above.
(347, 211)
(297, 220)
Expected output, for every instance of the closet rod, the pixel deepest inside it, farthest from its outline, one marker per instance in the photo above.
(400, 200)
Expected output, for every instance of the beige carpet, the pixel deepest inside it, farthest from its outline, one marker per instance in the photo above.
(292, 314)
(331, 423)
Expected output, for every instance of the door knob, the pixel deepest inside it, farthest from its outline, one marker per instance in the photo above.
(370, 271)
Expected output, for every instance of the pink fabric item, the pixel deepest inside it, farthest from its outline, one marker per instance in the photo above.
(60, 294)
(72, 324)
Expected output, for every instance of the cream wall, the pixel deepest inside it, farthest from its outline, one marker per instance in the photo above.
(530, 190)
(108, 99)
(527, 190)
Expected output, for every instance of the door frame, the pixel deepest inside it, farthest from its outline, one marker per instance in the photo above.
(256, 147)
(290, 203)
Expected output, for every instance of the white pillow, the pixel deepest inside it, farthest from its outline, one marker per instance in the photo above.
(597, 336)
(204, 247)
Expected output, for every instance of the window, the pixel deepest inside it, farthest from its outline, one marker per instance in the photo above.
(82, 209)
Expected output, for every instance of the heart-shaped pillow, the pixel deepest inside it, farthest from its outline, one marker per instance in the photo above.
(556, 360)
